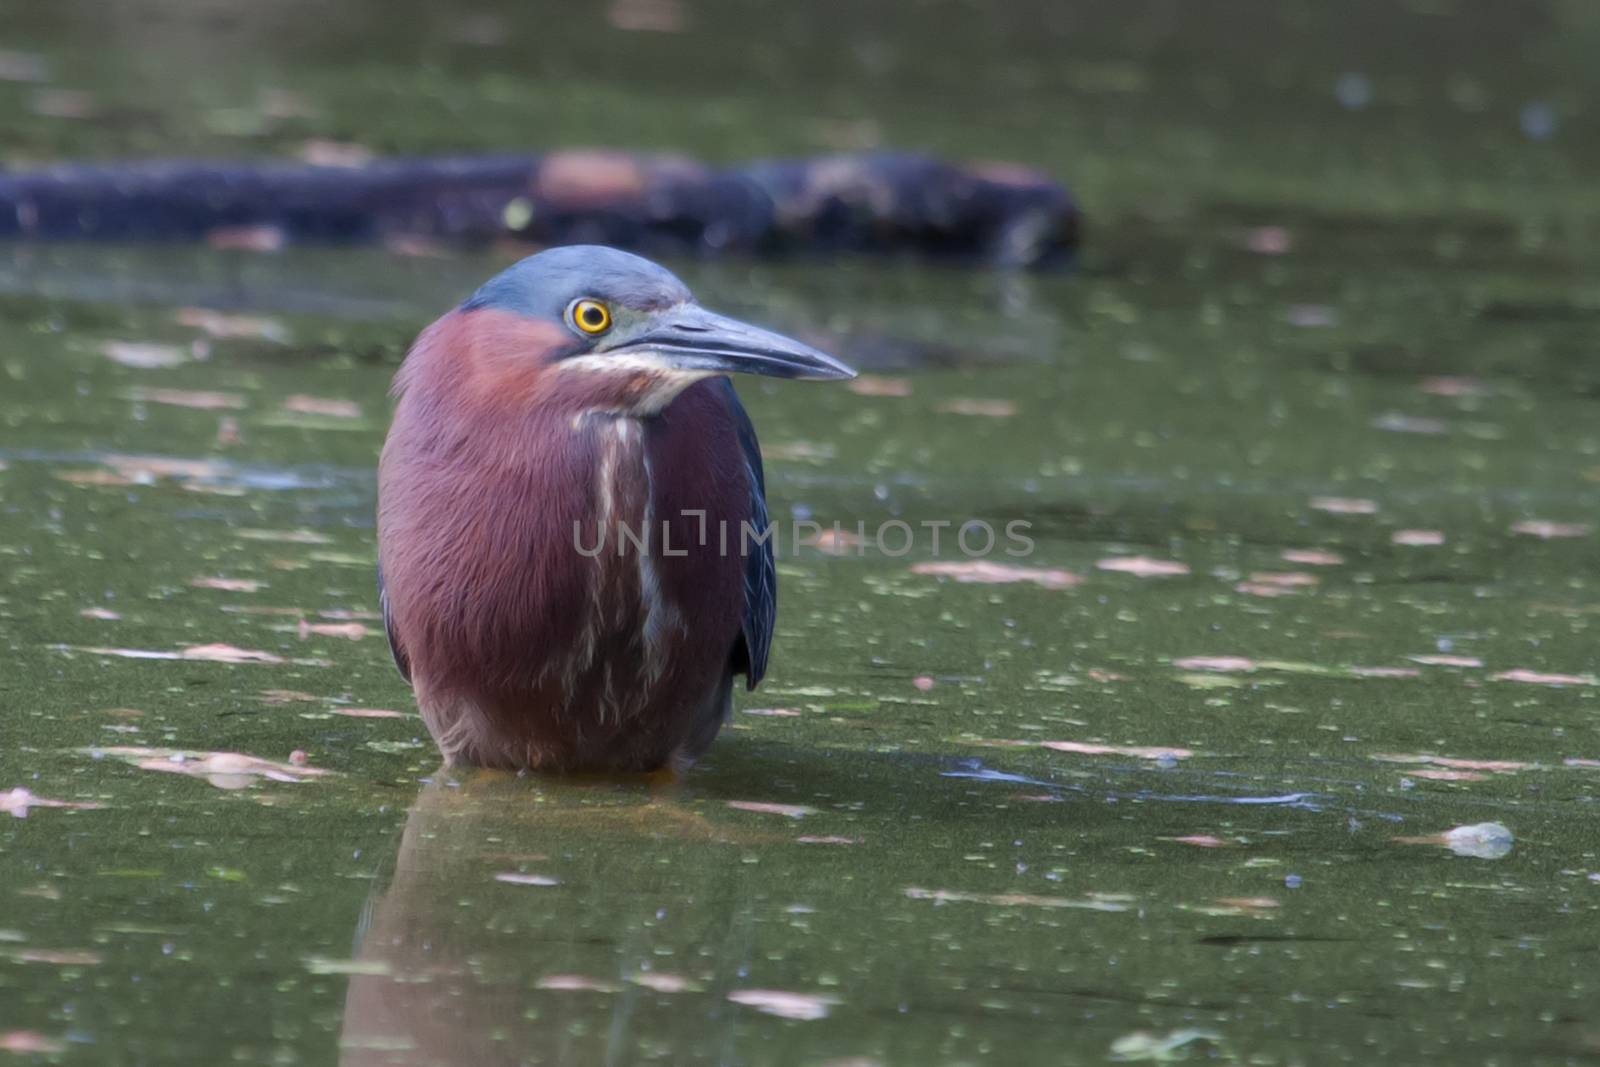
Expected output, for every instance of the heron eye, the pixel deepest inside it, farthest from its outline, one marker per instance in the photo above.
(591, 316)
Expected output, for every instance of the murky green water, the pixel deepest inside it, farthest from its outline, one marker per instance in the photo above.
(1336, 360)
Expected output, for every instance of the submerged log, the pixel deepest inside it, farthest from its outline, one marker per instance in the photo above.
(880, 202)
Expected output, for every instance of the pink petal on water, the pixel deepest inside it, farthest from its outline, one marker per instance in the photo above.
(518, 878)
(225, 770)
(60, 957)
(1450, 385)
(228, 585)
(1343, 505)
(1522, 674)
(1441, 774)
(351, 631)
(1285, 579)
(1417, 537)
(1142, 751)
(368, 713)
(1456, 762)
(1311, 557)
(262, 238)
(827, 839)
(1269, 240)
(221, 653)
(1447, 661)
(16, 802)
(287, 537)
(322, 405)
(1248, 903)
(874, 385)
(224, 325)
(1264, 589)
(805, 1007)
(793, 811)
(1215, 663)
(577, 983)
(988, 573)
(922, 683)
(1547, 529)
(324, 153)
(1199, 841)
(189, 398)
(1143, 566)
(994, 409)
(834, 541)
(1385, 672)
(104, 614)
(662, 982)
(145, 355)
(30, 1041)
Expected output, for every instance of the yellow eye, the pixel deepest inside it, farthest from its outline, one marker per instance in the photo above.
(591, 316)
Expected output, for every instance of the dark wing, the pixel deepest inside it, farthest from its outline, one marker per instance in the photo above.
(396, 649)
(760, 569)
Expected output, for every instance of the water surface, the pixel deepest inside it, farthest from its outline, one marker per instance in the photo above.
(1308, 445)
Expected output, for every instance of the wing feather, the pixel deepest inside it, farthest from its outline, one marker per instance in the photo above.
(760, 568)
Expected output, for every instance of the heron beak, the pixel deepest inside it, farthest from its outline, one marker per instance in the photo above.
(691, 338)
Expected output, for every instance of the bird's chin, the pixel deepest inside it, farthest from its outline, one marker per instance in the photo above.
(636, 386)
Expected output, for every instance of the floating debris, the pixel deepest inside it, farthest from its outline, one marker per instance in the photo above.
(1198, 841)
(1141, 1046)
(1546, 529)
(1226, 664)
(328, 965)
(145, 355)
(1342, 505)
(1154, 752)
(661, 982)
(223, 325)
(1311, 557)
(351, 631)
(1522, 674)
(793, 811)
(225, 770)
(1482, 841)
(576, 983)
(1498, 765)
(17, 801)
(228, 585)
(188, 398)
(985, 572)
(875, 385)
(1106, 902)
(993, 409)
(516, 878)
(1143, 566)
(58, 957)
(1447, 661)
(1417, 538)
(30, 1041)
(328, 407)
(805, 1007)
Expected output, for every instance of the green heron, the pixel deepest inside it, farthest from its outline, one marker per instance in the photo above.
(572, 520)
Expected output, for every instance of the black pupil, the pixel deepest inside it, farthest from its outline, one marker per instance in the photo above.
(593, 317)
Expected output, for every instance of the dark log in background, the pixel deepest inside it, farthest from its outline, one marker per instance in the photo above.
(1002, 214)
